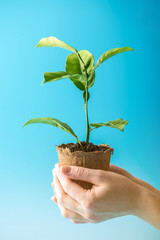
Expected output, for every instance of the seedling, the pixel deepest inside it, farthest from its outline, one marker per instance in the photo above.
(80, 69)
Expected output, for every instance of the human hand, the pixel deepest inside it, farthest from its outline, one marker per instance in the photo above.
(112, 194)
(116, 169)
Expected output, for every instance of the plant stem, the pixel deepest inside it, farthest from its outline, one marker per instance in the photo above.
(78, 141)
(86, 100)
(87, 121)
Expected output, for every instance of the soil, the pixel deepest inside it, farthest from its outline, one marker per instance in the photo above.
(86, 147)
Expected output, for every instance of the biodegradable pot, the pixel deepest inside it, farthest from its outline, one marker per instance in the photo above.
(95, 160)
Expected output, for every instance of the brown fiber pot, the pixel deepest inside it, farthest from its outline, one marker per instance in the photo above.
(93, 160)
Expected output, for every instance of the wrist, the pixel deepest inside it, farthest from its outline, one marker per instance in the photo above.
(148, 207)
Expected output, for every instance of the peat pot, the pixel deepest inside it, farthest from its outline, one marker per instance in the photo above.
(88, 155)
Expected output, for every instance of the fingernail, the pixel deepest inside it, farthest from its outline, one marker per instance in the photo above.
(66, 169)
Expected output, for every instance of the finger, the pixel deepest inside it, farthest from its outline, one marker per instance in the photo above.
(54, 199)
(116, 169)
(72, 189)
(52, 184)
(125, 173)
(65, 200)
(78, 222)
(84, 174)
(53, 172)
(121, 171)
(66, 213)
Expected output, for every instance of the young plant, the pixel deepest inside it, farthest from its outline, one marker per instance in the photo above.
(80, 69)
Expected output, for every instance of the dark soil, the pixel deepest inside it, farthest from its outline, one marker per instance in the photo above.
(86, 147)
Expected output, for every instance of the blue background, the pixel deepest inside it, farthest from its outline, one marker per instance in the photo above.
(126, 86)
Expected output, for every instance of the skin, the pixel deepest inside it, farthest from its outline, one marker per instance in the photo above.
(114, 193)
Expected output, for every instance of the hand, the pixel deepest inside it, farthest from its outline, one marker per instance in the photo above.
(112, 194)
(116, 169)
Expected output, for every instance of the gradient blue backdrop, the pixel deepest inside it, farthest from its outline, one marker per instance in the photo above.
(126, 86)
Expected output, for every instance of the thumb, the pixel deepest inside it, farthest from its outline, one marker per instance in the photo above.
(84, 174)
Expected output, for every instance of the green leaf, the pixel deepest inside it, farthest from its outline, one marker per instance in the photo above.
(118, 123)
(55, 42)
(78, 79)
(91, 78)
(111, 53)
(88, 59)
(75, 66)
(54, 76)
(53, 122)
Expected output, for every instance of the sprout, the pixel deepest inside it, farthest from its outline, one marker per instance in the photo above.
(80, 69)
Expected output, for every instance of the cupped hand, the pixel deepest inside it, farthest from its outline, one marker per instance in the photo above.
(112, 194)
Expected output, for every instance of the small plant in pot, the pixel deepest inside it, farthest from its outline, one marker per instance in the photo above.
(80, 69)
